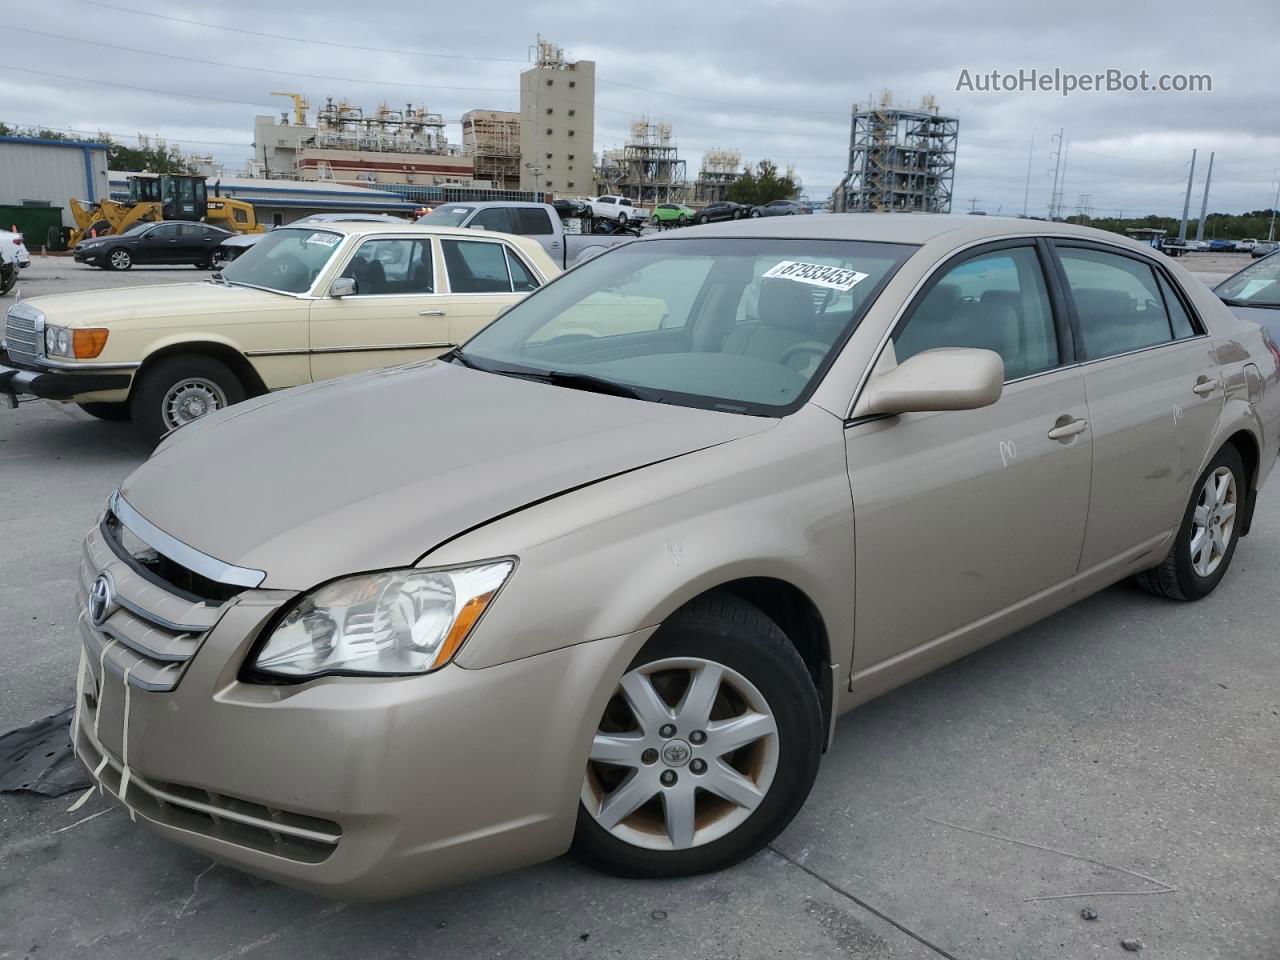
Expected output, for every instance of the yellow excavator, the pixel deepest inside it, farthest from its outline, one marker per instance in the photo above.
(169, 196)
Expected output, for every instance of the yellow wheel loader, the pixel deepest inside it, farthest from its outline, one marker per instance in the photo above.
(162, 197)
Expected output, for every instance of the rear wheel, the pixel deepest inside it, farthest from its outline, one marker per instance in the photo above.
(1207, 539)
(106, 411)
(179, 390)
(707, 749)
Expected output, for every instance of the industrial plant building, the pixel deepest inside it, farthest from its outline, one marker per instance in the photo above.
(900, 159)
(557, 123)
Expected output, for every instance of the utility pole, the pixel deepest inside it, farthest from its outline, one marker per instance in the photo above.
(1204, 203)
(1057, 166)
(1027, 192)
(1271, 233)
(1186, 204)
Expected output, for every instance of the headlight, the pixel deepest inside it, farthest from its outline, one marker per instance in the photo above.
(399, 622)
(82, 344)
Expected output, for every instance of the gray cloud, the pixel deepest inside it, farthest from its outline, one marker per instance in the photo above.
(771, 79)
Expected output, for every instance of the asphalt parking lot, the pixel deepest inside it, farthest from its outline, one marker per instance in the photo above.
(1123, 756)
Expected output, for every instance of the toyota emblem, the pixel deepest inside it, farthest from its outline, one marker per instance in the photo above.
(100, 599)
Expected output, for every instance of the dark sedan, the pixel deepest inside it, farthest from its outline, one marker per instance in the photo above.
(169, 241)
(722, 210)
(780, 208)
(1254, 293)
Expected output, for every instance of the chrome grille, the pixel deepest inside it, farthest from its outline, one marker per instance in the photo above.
(150, 633)
(22, 333)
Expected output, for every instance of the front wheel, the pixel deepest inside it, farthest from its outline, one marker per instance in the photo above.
(120, 259)
(179, 390)
(754, 213)
(1207, 539)
(706, 750)
(682, 219)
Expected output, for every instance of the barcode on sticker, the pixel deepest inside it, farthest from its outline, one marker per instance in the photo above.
(324, 239)
(818, 274)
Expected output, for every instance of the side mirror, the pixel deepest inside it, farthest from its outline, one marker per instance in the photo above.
(946, 378)
(343, 287)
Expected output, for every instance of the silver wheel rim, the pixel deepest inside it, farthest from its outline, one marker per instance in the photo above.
(119, 259)
(191, 399)
(686, 751)
(1213, 521)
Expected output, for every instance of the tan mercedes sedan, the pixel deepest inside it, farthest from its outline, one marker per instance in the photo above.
(603, 578)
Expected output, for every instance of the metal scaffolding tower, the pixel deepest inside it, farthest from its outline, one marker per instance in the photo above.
(899, 160)
(720, 170)
(492, 137)
(648, 169)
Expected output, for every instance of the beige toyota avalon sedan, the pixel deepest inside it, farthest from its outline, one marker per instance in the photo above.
(607, 588)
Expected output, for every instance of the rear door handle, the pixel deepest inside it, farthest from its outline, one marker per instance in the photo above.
(431, 313)
(1068, 429)
(1204, 387)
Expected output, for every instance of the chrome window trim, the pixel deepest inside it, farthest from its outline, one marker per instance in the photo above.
(211, 568)
(375, 238)
(951, 254)
(489, 293)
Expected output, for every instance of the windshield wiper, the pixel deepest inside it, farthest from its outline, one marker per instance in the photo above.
(592, 384)
(456, 356)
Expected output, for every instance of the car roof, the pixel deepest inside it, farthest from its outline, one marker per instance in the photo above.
(363, 227)
(914, 228)
(482, 204)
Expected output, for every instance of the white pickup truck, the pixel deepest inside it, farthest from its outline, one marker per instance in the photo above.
(537, 221)
(617, 208)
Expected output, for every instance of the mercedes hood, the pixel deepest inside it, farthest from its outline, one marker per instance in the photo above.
(374, 471)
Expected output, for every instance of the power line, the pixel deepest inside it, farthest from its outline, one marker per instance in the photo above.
(281, 36)
(416, 53)
(124, 86)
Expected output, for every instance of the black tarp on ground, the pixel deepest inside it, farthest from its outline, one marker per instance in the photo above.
(37, 758)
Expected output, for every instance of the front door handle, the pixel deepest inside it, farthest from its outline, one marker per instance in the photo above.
(1204, 387)
(1070, 429)
(431, 313)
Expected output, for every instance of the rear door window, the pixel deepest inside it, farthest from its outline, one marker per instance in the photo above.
(476, 267)
(532, 222)
(1117, 300)
(522, 278)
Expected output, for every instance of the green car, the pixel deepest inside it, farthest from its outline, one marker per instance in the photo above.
(668, 214)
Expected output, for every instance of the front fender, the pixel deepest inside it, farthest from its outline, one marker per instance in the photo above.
(623, 554)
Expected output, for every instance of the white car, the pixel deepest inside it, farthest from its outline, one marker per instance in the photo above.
(13, 249)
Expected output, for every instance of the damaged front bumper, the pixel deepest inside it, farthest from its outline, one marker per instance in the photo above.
(354, 788)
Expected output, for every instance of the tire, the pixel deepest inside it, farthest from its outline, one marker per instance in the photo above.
(754, 213)
(115, 412)
(119, 259)
(622, 219)
(762, 674)
(8, 278)
(1190, 572)
(682, 219)
(180, 389)
(700, 220)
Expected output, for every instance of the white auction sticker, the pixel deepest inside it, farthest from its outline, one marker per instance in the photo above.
(818, 274)
(324, 239)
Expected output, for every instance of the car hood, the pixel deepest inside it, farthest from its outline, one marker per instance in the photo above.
(96, 308)
(374, 471)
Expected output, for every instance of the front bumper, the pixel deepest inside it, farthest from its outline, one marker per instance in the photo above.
(55, 384)
(350, 788)
(96, 257)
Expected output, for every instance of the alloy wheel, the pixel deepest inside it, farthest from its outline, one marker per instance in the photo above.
(191, 399)
(1213, 521)
(121, 260)
(685, 752)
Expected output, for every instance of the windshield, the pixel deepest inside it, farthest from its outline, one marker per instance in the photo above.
(286, 260)
(1257, 285)
(450, 215)
(745, 325)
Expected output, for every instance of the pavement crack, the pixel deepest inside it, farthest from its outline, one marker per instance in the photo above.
(853, 898)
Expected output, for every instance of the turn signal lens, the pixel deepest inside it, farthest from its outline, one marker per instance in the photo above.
(88, 343)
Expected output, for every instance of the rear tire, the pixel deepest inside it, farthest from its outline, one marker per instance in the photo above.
(1206, 541)
(179, 390)
(755, 676)
(115, 412)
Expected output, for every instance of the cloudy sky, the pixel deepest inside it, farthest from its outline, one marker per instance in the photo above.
(771, 79)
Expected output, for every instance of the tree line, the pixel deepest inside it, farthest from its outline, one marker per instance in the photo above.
(157, 157)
